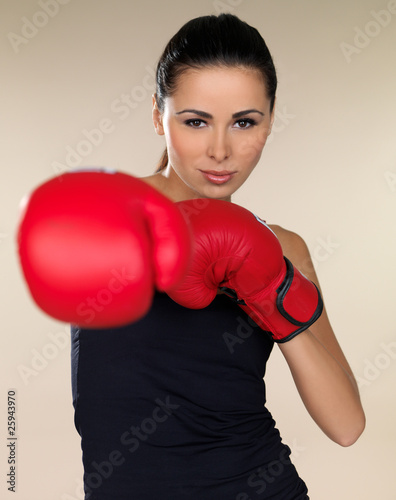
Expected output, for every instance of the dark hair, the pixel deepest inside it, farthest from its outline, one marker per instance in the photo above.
(212, 40)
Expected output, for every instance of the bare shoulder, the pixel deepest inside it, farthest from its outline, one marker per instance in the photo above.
(296, 250)
(293, 245)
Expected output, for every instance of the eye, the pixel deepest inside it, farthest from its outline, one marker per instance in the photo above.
(245, 123)
(195, 123)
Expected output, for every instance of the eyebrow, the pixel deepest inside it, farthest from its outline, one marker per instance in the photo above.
(203, 114)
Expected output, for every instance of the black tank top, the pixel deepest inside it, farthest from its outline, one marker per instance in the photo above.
(172, 407)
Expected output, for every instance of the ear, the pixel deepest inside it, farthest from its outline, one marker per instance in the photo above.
(157, 116)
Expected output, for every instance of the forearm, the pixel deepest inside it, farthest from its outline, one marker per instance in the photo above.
(328, 391)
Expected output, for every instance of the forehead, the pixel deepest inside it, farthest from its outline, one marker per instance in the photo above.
(219, 85)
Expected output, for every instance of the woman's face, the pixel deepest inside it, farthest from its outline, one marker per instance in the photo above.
(215, 125)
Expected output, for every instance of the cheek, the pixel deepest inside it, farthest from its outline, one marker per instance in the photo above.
(183, 145)
(250, 148)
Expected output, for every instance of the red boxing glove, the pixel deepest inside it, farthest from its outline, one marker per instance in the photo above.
(238, 253)
(94, 244)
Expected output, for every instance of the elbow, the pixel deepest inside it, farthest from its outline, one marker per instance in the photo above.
(349, 436)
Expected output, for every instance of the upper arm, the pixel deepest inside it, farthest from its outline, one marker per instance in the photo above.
(296, 250)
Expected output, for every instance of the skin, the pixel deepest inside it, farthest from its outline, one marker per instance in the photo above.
(217, 121)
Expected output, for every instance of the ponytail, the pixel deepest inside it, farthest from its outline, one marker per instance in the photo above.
(163, 161)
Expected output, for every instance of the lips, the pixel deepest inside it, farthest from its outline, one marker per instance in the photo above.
(217, 177)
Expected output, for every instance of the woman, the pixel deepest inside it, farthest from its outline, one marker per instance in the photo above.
(166, 409)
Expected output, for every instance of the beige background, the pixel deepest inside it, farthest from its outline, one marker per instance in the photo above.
(328, 173)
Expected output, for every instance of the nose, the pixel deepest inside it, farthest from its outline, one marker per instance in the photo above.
(219, 148)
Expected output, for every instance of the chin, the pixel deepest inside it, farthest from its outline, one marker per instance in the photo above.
(224, 194)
